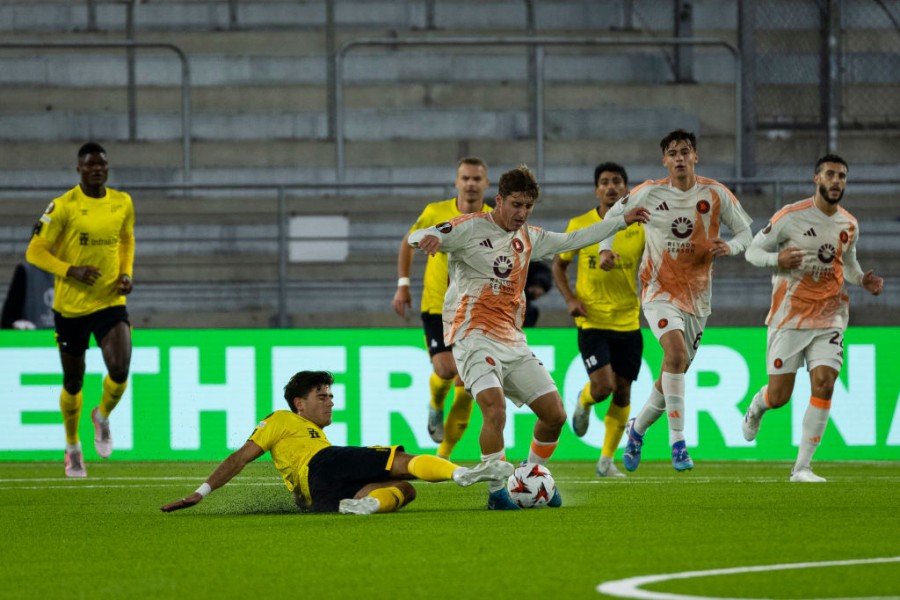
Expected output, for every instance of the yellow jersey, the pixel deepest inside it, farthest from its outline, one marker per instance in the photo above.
(436, 271)
(610, 297)
(77, 230)
(293, 441)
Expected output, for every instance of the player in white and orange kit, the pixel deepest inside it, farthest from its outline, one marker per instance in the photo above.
(682, 240)
(484, 307)
(811, 244)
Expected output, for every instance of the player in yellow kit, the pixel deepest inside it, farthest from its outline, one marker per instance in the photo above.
(326, 478)
(86, 239)
(471, 184)
(606, 309)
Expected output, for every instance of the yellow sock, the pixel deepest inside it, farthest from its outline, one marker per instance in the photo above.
(439, 388)
(457, 421)
(431, 468)
(70, 405)
(112, 393)
(585, 398)
(615, 421)
(389, 498)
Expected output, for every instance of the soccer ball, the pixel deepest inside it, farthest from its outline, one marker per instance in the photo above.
(531, 486)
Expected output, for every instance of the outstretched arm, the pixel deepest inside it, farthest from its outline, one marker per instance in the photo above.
(224, 473)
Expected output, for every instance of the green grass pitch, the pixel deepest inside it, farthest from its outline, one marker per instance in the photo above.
(104, 537)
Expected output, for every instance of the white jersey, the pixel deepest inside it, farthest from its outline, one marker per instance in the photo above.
(488, 267)
(677, 265)
(811, 296)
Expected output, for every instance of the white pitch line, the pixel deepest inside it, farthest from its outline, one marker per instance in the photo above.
(80, 486)
(631, 587)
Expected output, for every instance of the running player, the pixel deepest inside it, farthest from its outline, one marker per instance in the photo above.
(483, 312)
(86, 239)
(606, 310)
(471, 183)
(811, 246)
(682, 240)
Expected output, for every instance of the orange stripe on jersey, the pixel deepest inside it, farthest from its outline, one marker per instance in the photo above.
(649, 182)
(712, 182)
(792, 208)
(468, 216)
(820, 402)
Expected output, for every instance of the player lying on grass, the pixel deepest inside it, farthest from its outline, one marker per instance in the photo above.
(326, 478)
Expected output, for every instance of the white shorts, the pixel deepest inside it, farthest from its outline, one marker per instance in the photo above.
(483, 363)
(787, 349)
(664, 317)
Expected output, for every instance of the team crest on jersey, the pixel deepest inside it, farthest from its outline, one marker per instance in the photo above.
(844, 237)
(826, 253)
(682, 228)
(517, 245)
(490, 361)
(444, 227)
(703, 207)
(503, 266)
(261, 424)
(663, 323)
(50, 208)
(778, 363)
(767, 228)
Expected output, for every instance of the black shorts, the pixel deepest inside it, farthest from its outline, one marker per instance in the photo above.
(73, 334)
(434, 333)
(338, 472)
(620, 349)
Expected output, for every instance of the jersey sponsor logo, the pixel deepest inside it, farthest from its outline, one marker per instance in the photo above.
(503, 266)
(487, 244)
(682, 228)
(50, 208)
(84, 239)
(767, 228)
(674, 414)
(826, 253)
(663, 323)
(444, 227)
(663, 206)
(809, 232)
(313, 434)
(844, 237)
(703, 207)
(517, 245)
(490, 361)
(778, 363)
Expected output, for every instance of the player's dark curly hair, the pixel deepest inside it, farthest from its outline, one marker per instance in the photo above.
(832, 158)
(677, 136)
(612, 168)
(90, 148)
(520, 179)
(303, 383)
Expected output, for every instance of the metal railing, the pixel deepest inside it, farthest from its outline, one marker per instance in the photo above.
(538, 105)
(131, 46)
(386, 239)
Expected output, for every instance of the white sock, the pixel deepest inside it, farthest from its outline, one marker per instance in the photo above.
(814, 421)
(73, 447)
(673, 389)
(653, 410)
(758, 406)
(495, 485)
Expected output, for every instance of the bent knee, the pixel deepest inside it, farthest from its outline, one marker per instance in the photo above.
(408, 491)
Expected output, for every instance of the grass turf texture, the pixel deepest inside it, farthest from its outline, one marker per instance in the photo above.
(104, 537)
